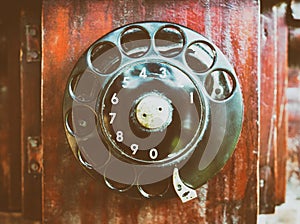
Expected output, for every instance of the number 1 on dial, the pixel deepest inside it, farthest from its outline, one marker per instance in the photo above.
(191, 97)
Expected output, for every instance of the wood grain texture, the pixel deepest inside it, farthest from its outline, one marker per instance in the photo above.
(273, 131)
(10, 153)
(268, 113)
(14, 218)
(30, 78)
(282, 121)
(71, 196)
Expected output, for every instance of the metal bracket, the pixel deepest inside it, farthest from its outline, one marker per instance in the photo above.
(184, 192)
(34, 155)
(33, 49)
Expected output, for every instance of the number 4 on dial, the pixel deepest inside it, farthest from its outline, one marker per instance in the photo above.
(143, 73)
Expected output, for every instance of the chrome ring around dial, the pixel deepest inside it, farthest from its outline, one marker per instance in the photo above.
(150, 97)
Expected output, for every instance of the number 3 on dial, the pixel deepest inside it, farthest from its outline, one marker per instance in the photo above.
(163, 71)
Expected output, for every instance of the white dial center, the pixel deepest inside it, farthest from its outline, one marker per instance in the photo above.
(154, 112)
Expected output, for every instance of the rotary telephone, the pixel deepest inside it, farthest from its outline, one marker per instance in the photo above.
(153, 110)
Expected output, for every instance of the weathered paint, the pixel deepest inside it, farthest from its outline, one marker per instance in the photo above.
(69, 195)
(268, 113)
(282, 121)
(273, 130)
(30, 89)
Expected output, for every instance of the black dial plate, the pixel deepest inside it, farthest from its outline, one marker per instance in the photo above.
(148, 98)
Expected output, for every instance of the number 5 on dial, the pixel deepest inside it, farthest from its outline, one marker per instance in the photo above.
(125, 83)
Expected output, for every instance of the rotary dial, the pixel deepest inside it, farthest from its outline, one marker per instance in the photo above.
(150, 101)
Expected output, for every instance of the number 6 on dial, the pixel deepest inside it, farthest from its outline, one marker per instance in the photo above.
(114, 99)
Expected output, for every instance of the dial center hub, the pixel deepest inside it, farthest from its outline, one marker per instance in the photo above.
(154, 111)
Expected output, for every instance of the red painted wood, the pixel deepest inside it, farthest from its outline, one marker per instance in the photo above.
(282, 122)
(268, 110)
(30, 89)
(69, 195)
(273, 122)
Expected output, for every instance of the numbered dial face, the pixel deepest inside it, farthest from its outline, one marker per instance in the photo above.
(151, 112)
(150, 103)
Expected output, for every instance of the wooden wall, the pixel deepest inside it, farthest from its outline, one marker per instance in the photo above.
(273, 121)
(68, 28)
(59, 190)
(10, 153)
